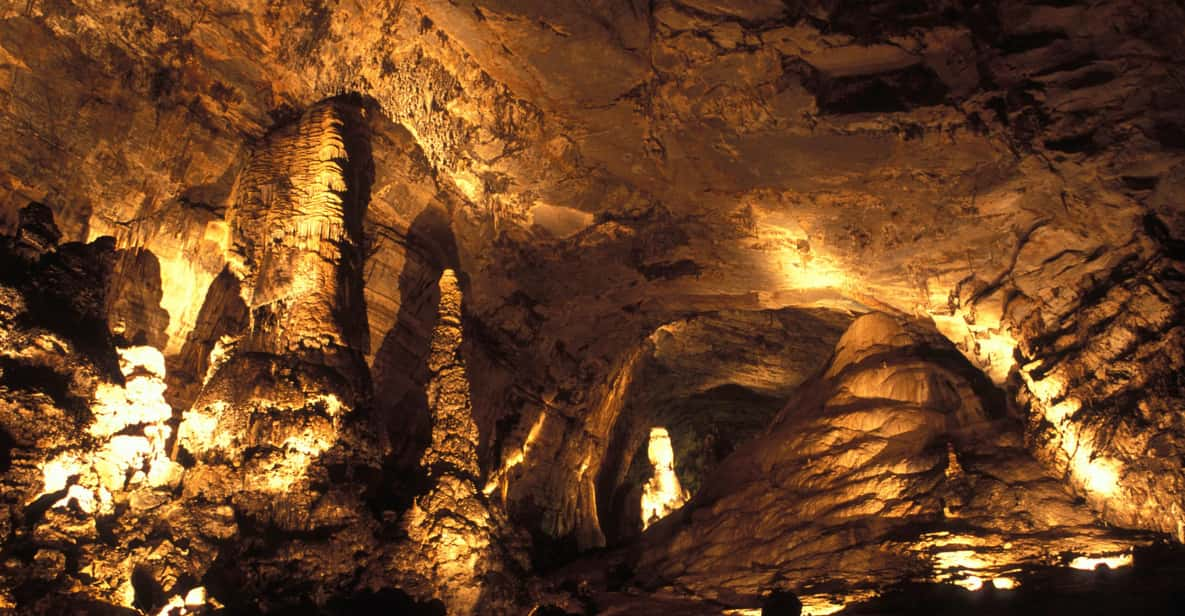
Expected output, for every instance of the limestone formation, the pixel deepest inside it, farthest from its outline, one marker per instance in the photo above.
(892, 463)
(662, 493)
(901, 280)
(453, 549)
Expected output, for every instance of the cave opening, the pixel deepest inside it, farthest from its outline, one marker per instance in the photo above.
(711, 384)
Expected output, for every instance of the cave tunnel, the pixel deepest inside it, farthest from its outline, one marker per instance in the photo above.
(728, 307)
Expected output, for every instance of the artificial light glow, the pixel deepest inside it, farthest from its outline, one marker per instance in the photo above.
(824, 605)
(1060, 412)
(501, 478)
(80, 495)
(121, 458)
(1096, 475)
(1005, 583)
(973, 563)
(1047, 389)
(813, 272)
(959, 567)
(218, 356)
(140, 401)
(971, 582)
(1099, 475)
(982, 338)
(57, 472)
(1090, 563)
(191, 603)
(662, 493)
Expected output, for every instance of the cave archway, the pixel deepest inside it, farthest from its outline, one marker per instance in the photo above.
(712, 380)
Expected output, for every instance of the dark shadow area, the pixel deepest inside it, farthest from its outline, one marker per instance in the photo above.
(149, 595)
(386, 601)
(889, 92)
(7, 443)
(223, 313)
(133, 300)
(781, 603)
(359, 172)
(400, 370)
(17, 375)
(65, 287)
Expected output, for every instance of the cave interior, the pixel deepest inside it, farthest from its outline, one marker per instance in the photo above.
(728, 307)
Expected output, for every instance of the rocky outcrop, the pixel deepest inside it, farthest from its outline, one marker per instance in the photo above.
(665, 214)
(273, 433)
(87, 479)
(898, 462)
(1103, 382)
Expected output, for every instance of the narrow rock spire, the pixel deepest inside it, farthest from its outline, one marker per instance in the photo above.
(454, 433)
(450, 528)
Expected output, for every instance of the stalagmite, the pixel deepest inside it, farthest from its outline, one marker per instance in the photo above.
(840, 306)
(451, 529)
(662, 493)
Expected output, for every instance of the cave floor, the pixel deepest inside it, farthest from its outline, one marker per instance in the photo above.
(1152, 585)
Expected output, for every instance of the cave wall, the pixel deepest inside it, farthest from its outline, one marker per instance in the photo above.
(598, 170)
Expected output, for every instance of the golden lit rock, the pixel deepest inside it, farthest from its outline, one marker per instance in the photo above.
(661, 494)
(898, 285)
(452, 530)
(874, 447)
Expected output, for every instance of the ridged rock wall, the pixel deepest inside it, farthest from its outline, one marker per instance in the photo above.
(898, 462)
(1103, 384)
(599, 169)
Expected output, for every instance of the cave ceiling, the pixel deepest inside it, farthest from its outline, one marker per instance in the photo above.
(421, 276)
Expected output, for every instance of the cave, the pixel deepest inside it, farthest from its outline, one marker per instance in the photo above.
(705, 307)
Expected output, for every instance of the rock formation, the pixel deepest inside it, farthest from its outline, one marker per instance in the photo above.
(894, 462)
(457, 547)
(662, 493)
(902, 280)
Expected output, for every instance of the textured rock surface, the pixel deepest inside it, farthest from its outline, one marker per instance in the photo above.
(662, 213)
(896, 462)
(458, 548)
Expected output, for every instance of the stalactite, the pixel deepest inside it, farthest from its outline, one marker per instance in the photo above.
(290, 225)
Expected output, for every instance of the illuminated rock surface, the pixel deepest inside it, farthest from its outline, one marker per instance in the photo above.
(457, 547)
(895, 462)
(231, 358)
(662, 493)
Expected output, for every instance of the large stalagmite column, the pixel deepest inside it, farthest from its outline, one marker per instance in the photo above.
(277, 402)
(295, 229)
(451, 546)
(454, 433)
